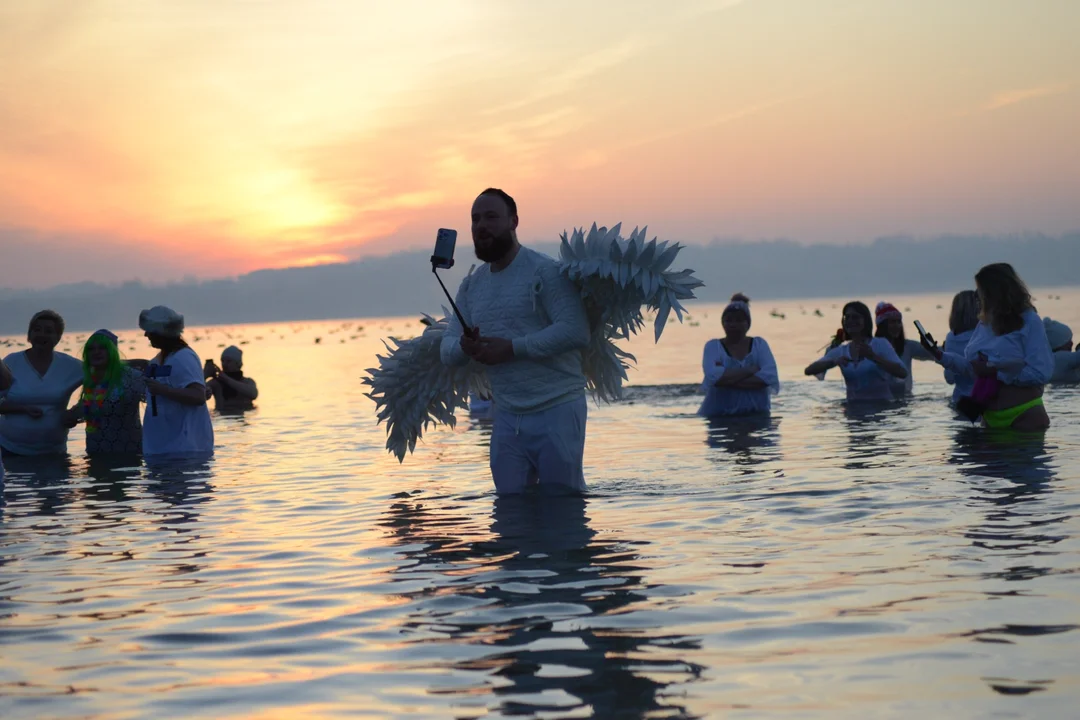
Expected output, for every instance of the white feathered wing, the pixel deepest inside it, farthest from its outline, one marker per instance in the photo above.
(617, 277)
(413, 389)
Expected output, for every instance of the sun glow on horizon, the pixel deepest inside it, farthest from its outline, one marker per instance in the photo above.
(268, 135)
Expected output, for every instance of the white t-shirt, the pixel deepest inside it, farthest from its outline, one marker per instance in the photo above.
(177, 430)
(47, 435)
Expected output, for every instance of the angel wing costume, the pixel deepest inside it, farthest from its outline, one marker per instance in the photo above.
(617, 277)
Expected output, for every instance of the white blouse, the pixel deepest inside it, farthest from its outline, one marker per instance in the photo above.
(865, 379)
(737, 401)
(1022, 357)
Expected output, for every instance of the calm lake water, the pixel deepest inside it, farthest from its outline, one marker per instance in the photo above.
(828, 562)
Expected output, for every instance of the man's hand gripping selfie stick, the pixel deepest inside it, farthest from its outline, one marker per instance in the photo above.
(444, 258)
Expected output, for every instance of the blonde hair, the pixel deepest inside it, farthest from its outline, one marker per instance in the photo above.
(964, 315)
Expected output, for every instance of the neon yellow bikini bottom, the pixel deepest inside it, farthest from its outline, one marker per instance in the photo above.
(999, 419)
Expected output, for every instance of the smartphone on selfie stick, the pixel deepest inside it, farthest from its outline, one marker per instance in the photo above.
(927, 337)
(443, 257)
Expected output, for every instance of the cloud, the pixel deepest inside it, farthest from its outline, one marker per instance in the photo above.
(1012, 97)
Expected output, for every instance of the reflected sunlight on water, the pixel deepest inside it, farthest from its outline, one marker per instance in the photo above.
(830, 561)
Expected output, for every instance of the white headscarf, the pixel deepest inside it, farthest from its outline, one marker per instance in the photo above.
(161, 320)
(1058, 333)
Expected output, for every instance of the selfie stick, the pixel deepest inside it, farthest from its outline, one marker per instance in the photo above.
(434, 271)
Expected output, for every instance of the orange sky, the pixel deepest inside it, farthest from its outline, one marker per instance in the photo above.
(157, 139)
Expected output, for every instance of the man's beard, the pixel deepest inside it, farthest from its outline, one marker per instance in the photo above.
(494, 247)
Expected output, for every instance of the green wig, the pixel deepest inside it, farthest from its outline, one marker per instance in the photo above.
(114, 369)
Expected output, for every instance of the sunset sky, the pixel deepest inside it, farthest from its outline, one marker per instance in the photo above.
(155, 140)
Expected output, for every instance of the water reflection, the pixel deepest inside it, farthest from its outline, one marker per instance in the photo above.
(46, 477)
(869, 434)
(1011, 475)
(746, 438)
(183, 486)
(110, 487)
(532, 597)
(1016, 520)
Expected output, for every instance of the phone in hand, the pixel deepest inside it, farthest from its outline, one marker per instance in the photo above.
(927, 338)
(443, 257)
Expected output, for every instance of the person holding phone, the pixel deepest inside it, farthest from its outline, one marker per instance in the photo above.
(1009, 347)
(232, 390)
(526, 322)
(963, 319)
(890, 325)
(868, 364)
(176, 424)
(740, 372)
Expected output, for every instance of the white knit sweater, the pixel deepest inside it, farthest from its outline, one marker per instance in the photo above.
(532, 304)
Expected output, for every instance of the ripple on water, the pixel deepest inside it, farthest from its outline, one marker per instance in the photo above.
(826, 561)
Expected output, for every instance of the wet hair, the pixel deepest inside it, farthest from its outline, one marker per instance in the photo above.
(864, 313)
(511, 206)
(50, 315)
(964, 315)
(1005, 298)
(897, 343)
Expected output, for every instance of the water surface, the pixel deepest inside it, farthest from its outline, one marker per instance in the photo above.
(825, 562)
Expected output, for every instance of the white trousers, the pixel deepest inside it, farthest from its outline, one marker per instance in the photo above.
(545, 447)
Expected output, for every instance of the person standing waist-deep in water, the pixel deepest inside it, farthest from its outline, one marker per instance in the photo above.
(5, 383)
(963, 319)
(740, 372)
(890, 325)
(528, 325)
(33, 409)
(868, 364)
(1066, 360)
(232, 390)
(176, 423)
(109, 402)
(1008, 356)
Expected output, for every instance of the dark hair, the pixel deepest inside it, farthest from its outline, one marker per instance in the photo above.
(511, 206)
(171, 344)
(897, 343)
(1004, 296)
(964, 314)
(737, 297)
(864, 313)
(50, 315)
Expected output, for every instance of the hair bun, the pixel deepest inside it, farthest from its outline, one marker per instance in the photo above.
(739, 297)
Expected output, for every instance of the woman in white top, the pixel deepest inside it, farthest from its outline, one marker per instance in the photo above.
(963, 318)
(34, 409)
(740, 372)
(1009, 345)
(890, 325)
(1066, 361)
(867, 364)
(176, 423)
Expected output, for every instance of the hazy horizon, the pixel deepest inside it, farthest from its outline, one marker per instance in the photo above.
(400, 284)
